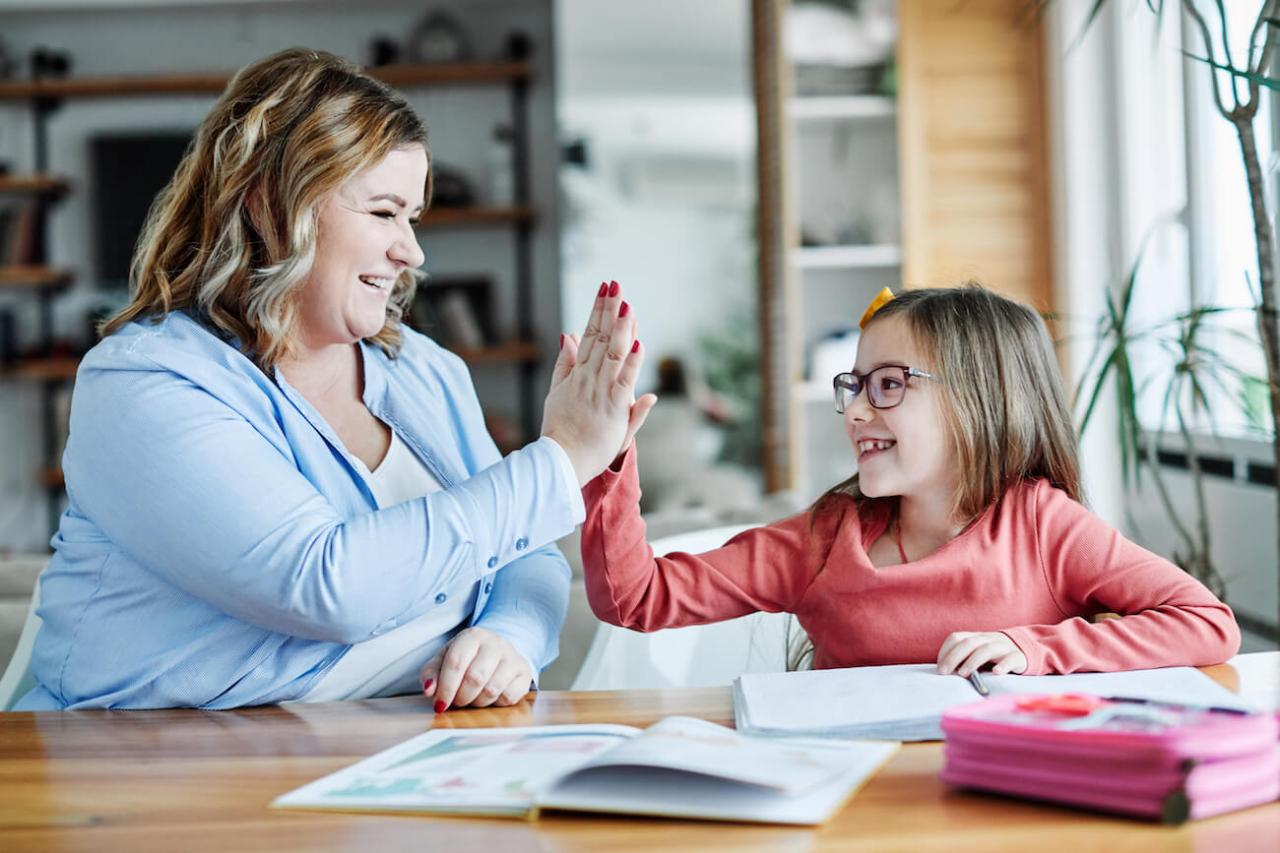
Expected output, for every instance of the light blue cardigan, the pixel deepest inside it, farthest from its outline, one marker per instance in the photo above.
(221, 549)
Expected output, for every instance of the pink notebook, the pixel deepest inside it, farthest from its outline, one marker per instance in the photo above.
(1146, 759)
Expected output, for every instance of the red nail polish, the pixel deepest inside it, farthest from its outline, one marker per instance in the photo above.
(622, 312)
(440, 706)
(635, 346)
(604, 288)
(562, 340)
(426, 685)
(614, 288)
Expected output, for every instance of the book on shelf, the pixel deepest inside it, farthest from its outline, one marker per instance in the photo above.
(8, 217)
(906, 702)
(19, 224)
(456, 311)
(679, 767)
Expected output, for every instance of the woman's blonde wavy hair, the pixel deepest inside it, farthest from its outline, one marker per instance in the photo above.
(233, 235)
(1001, 389)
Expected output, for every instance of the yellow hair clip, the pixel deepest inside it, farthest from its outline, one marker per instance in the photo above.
(885, 295)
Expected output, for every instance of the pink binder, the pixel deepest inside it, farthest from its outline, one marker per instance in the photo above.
(1146, 759)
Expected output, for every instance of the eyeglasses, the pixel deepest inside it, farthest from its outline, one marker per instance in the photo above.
(885, 386)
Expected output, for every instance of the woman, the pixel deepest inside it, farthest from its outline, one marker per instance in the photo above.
(277, 491)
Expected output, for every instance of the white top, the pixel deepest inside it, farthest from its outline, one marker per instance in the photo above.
(388, 665)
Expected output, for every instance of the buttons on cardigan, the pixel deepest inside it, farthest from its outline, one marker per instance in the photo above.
(493, 562)
(488, 587)
(441, 598)
(522, 543)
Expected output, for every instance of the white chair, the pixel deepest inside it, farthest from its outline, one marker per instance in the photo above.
(17, 678)
(698, 656)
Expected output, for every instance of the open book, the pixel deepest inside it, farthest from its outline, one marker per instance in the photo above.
(906, 702)
(679, 767)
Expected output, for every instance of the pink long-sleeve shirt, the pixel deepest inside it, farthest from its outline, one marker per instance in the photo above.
(1036, 566)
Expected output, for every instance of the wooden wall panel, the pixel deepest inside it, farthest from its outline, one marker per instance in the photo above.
(975, 199)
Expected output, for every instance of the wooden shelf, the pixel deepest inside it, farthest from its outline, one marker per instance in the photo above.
(33, 185)
(512, 351)
(212, 83)
(32, 276)
(841, 108)
(51, 478)
(58, 368)
(455, 217)
(65, 367)
(847, 257)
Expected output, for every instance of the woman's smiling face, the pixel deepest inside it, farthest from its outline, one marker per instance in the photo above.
(365, 240)
(905, 450)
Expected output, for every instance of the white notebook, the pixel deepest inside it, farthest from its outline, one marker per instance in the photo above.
(907, 702)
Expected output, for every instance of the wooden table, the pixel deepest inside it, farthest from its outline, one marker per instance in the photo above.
(197, 780)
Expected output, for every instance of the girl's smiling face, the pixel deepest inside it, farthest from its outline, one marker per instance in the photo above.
(365, 240)
(906, 450)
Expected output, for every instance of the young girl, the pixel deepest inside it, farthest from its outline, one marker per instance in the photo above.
(961, 540)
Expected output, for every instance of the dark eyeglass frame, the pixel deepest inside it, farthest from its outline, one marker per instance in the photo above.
(853, 383)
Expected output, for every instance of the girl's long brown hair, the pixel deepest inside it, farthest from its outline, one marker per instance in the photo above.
(233, 235)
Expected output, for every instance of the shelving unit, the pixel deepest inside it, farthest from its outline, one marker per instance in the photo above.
(841, 147)
(960, 158)
(44, 282)
(47, 96)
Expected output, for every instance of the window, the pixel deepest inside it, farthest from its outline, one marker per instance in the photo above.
(1223, 249)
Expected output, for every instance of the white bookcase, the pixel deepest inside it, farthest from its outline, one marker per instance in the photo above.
(844, 245)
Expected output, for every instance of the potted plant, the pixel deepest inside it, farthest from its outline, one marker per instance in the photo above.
(1187, 369)
(1238, 105)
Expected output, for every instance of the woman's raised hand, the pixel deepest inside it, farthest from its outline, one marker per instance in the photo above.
(591, 410)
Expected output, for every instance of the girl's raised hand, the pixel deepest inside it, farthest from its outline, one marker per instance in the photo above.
(965, 652)
(591, 410)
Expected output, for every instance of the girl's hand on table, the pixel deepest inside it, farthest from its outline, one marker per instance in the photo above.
(965, 652)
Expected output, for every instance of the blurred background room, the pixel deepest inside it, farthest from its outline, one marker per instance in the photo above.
(752, 172)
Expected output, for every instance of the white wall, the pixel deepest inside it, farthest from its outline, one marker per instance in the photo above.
(129, 38)
(661, 91)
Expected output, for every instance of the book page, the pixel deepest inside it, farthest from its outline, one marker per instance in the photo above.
(834, 699)
(671, 793)
(697, 746)
(477, 771)
(1176, 684)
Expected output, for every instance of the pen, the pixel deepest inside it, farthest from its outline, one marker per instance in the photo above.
(976, 681)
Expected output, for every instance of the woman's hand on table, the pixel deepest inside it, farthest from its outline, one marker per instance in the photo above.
(477, 668)
(591, 410)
